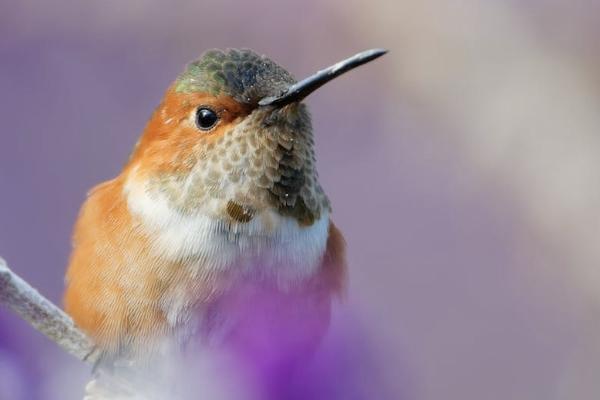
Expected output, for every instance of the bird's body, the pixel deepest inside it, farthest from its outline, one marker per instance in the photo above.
(140, 272)
(217, 224)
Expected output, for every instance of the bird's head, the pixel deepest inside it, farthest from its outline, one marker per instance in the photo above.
(232, 138)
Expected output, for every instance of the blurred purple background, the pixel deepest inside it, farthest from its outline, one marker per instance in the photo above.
(462, 168)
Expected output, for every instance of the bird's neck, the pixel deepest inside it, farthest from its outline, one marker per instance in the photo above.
(271, 244)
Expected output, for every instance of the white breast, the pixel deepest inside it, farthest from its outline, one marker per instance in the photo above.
(269, 245)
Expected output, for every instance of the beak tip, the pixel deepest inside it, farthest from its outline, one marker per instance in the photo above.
(380, 51)
(374, 53)
(301, 89)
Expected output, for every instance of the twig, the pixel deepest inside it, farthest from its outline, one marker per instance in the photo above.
(43, 315)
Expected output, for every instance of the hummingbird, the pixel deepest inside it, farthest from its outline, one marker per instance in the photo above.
(217, 223)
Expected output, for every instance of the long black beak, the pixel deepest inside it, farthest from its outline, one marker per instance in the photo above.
(300, 90)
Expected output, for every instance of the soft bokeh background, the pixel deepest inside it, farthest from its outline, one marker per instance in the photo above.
(464, 169)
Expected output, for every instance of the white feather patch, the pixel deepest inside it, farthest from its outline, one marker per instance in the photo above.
(270, 245)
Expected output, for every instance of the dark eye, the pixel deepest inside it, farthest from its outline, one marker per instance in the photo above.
(206, 118)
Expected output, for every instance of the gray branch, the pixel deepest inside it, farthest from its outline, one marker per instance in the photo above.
(43, 315)
(50, 320)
